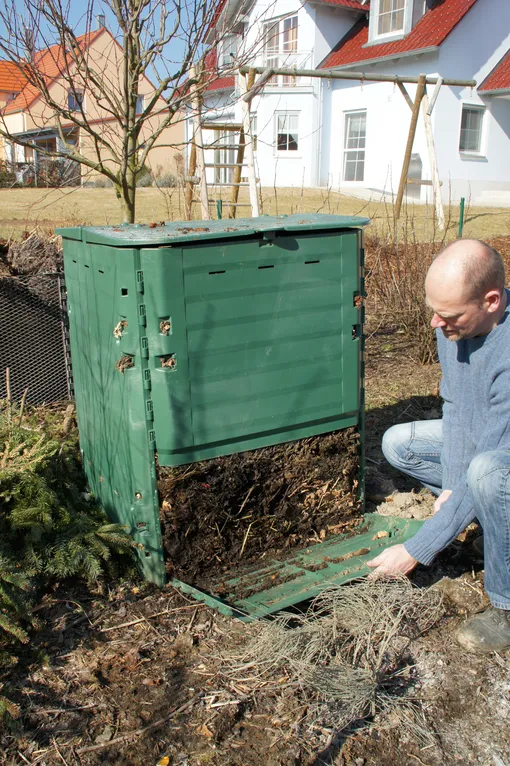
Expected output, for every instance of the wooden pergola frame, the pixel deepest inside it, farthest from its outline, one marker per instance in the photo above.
(251, 87)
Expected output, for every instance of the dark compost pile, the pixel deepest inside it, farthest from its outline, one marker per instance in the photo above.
(239, 509)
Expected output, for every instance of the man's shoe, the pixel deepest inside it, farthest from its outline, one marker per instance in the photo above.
(488, 631)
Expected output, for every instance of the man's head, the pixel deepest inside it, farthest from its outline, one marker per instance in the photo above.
(465, 289)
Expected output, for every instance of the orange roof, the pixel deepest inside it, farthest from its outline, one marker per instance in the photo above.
(11, 77)
(499, 78)
(431, 31)
(356, 5)
(213, 77)
(50, 64)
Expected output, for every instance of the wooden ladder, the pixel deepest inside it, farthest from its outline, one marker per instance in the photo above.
(197, 167)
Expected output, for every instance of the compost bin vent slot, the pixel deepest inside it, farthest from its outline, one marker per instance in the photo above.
(217, 272)
(309, 262)
(267, 267)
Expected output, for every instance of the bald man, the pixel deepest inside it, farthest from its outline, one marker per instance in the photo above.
(465, 457)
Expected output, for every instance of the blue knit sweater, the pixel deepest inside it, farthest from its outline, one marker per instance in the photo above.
(475, 388)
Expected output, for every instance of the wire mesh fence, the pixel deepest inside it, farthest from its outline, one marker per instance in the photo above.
(34, 338)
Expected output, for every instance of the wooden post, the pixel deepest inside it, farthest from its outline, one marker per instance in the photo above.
(436, 187)
(434, 95)
(197, 124)
(406, 95)
(420, 89)
(234, 197)
(192, 167)
(245, 84)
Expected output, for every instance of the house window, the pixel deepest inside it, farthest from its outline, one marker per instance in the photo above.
(354, 145)
(390, 17)
(287, 132)
(140, 104)
(228, 51)
(224, 157)
(280, 47)
(75, 100)
(471, 128)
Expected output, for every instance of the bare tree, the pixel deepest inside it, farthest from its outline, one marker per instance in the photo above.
(93, 101)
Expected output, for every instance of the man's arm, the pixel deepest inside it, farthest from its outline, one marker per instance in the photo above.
(457, 511)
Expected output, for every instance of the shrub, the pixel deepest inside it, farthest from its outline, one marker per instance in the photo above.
(48, 530)
(144, 179)
(167, 181)
(102, 182)
(7, 176)
(396, 267)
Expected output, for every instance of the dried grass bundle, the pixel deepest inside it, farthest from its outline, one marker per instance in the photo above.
(348, 655)
(35, 254)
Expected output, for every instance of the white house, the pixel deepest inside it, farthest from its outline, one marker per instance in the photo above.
(351, 134)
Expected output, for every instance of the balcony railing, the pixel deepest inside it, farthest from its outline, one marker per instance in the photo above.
(285, 60)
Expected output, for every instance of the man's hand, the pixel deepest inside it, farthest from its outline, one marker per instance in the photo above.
(393, 561)
(445, 494)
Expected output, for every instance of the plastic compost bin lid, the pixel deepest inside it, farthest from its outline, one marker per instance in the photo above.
(148, 234)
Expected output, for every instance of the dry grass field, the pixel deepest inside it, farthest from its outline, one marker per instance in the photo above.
(24, 209)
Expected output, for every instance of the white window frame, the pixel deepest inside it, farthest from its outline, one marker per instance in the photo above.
(346, 149)
(277, 55)
(373, 29)
(73, 104)
(480, 152)
(229, 45)
(289, 153)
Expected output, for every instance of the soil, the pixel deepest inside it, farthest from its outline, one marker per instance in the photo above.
(133, 676)
(235, 510)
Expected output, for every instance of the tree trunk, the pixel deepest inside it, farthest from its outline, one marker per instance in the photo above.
(126, 192)
(126, 196)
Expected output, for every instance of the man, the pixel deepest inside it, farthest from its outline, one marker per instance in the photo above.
(465, 457)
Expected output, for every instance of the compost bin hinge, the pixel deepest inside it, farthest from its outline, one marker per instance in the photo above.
(152, 440)
(147, 383)
(142, 315)
(149, 413)
(139, 281)
(145, 348)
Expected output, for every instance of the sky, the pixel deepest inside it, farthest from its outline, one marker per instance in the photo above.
(79, 19)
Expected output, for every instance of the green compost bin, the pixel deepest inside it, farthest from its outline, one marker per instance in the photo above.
(191, 340)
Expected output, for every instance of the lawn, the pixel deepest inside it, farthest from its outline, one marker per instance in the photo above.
(24, 209)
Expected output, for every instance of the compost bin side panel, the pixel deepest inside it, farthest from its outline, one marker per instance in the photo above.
(107, 348)
(262, 330)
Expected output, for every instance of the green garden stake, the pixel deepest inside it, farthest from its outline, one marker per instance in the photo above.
(461, 215)
(219, 208)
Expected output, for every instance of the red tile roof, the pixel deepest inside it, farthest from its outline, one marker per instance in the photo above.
(356, 5)
(211, 73)
(431, 30)
(50, 63)
(11, 77)
(216, 16)
(499, 78)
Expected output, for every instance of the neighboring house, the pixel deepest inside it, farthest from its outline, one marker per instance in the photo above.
(26, 116)
(351, 134)
(11, 82)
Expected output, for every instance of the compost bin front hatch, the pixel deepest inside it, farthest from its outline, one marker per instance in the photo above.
(259, 592)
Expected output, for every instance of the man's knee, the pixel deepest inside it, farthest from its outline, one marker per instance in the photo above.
(395, 443)
(483, 471)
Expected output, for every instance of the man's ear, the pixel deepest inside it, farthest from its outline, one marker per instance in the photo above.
(493, 300)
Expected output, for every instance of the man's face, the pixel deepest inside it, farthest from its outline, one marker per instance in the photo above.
(455, 316)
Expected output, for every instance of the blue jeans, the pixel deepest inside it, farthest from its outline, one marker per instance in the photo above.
(415, 449)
